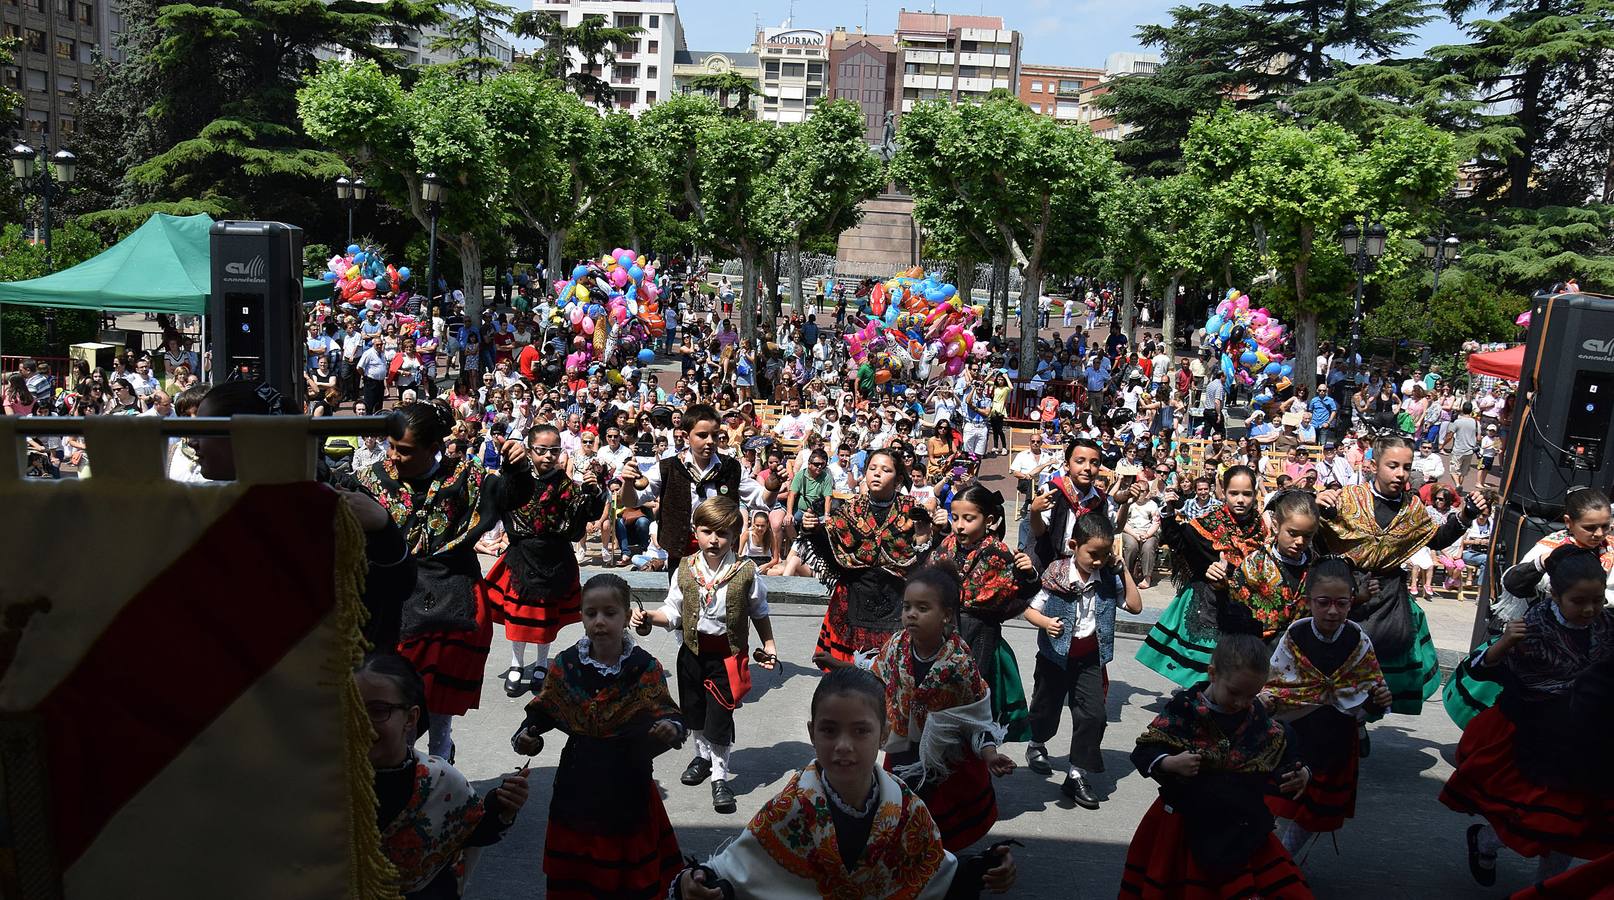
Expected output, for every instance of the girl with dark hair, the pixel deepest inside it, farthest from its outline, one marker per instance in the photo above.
(428, 813)
(997, 584)
(1205, 552)
(864, 551)
(443, 507)
(1265, 594)
(1325, 681)
(1530, 764)
(943, 742)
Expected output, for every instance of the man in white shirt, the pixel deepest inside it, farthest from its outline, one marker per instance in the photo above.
(1428, 465)
(1032, 468)
(614, 453)
(141, 379)
(161, 405)
(793, 426)
(1334, 470)
(1161, 371)
(571, 437)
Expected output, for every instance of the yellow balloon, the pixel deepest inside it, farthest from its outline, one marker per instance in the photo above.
(581, 293)
(605, 260)
(639, 262)
(980, 311)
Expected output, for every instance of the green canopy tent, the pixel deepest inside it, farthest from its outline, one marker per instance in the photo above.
(163, 267)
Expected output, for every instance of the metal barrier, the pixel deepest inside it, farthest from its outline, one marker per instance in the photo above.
(1025, 396)
(58, 364)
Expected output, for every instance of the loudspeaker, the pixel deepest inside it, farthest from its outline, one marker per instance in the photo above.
(256, 305)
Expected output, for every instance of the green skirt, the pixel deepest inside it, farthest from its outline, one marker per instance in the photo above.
(1466, 696)
(1009, 696)
(1170, 650)
(1414, 676)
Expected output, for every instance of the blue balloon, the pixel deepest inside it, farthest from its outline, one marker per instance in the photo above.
(403, 273)
(635, 272)
(580, 271)
(949, 291)
(1260, 399)
(1247, 358)
(1227, 329)
(647, 356)
(1272, 368)
(1227, 365)
(594, 309)
(360, 257)
(353, 248)
(1286, 370)
(327, 276)
(1214, 325)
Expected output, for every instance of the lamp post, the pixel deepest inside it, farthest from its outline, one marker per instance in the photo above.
(431, 192)
(1362, 248)
(351, 193)
(1441, 252)
(47, 180)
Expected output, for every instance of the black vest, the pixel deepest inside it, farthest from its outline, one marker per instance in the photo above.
(674, 527)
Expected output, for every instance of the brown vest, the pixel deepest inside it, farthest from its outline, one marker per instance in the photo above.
(673, 515)
(737, 598)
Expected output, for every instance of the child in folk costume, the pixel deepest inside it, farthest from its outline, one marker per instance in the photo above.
(943, 742)
(1325, 681)
(1530, 765)
(712, 596)
(1075, 615)
(1379, 526)
(1068, 496)
(443, 507)
(842, 827)
(535, 588)
(998, 583)
(863, 551)
(1265, 594)
(1206, 550)
(682, 482)
(1586, 524)
(608, 834)
(431, 819)
(1216, 753)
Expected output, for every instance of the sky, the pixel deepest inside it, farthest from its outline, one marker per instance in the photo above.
(1055, 32)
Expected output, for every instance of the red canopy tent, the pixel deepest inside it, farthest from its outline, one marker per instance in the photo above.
(1500, 363)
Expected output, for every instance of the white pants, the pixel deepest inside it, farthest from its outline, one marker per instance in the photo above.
(975, 438)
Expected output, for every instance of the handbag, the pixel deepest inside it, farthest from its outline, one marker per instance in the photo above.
(738, 668)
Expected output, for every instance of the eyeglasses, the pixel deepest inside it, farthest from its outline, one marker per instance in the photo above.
(546, 451)
(1332, 602)
(379, 713)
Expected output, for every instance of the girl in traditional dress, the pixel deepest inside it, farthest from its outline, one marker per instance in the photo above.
(1378, 526)
(863, 551)
(1325, 681)
(998, 583)
(608, 834)
(1206, 551)
(1586, 524)
(443, 508)
(843, 827)
(943, 742)
(1265, 594)
(429, 815)
(1528, 764)
(1216, 753)
(534, 588)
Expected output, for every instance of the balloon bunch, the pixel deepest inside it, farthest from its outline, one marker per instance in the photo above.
(362, 275)
(606, 300)
(1249, 338)
(915, 317)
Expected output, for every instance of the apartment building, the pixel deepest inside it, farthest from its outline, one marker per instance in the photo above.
(863, 68)
(956, 58)
(643, 72)
(59, 43)
(1056, 91)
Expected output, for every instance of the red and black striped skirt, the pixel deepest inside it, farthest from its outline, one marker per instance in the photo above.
(451, 663)
(528, 617)
(1160, 866)
(838, 637)
(964, 806)
(1588, 881)
(640, 863)
(1330, 797)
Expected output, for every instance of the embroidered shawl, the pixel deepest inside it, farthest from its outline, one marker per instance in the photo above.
(555, 503)
(1186, 724)
(1356, 534)
(788, 851)
(1269, 590)
(1550, 659)
(858, 540)
(438, 520)
(953, 680)
(1227, 536)
(431, 831)
(988, 575)
(1296, 682)
(637, 699)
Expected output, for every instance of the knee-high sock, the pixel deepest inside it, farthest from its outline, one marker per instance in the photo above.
(518, 654)
(1551, 865)
(1293, 836)
(540, 656)
(720, 761)
(440, 735)
(703, 747)
(1488, 841)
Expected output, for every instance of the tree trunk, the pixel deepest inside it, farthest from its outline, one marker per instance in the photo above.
(1129, 303)
(964, 280)
(470, 253)
(767, 305)
(1000, 294)
(798, 297)
(557, 240)
(748, 296)
(1168, 313)
(1306, 349)
(1521, 167)
(1029, 291)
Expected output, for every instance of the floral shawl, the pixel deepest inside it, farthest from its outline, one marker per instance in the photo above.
(988, 576)
(1296, 682)
(1355, 532)
(445, 516)
(1225, 536)
(1550, 659)
(1256, 746)
(952, 681)
(555, 503)
(789, 851)
(632, 703)
(858, 540)
(431, 831)
(1269, 590)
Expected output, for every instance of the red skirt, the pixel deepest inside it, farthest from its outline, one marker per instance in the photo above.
(1530, 819)
(451, 664)
(1158, 865)
(586, 865)
(1588, 881)
(965, 806)
(533, 622)
(1329, 799)
(838, 637)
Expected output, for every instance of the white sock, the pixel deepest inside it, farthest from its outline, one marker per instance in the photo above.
(720, 761)
(703, 748)
(440, 735)
(1293, 836)
(540, 656)
(1037, 745)
(1487, 841)
(518, 654)
(1551, 865)
(1076, 772)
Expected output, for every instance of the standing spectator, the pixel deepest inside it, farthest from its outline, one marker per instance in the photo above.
(1462, 442)
(977, 409)
(1324, 413)
(373, 368)
(1215, 395)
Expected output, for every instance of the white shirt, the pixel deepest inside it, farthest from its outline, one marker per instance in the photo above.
(1060, 540)
(1431, 466)
(1086, 603)
(749, 487)
(793, 427)
(713, 619)
(1026, 461)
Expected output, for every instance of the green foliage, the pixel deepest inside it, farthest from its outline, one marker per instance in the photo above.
(1527, 250)
(1465, 308)
(724, 85)
(22, 328)
(467, 32)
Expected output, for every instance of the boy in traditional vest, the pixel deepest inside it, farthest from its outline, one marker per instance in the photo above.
(682, 482)
(713, 593)
(1075, 616)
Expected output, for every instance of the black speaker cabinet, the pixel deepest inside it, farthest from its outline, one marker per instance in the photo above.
(256, 305)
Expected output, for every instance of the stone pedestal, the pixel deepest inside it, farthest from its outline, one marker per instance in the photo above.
(884, 242)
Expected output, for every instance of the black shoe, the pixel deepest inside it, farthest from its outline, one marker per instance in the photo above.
(515, 681)
(1485, 876)
(1077, 789)
(1364, 744)
(1037, 760)
(722, 797)
(696, 773)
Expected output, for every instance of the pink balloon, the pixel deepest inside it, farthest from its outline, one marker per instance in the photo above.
(955, 365)
(577, 313)
(588, 325)
(619, 277)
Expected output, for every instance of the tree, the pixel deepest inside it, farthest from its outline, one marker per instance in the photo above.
(724, 85)
(593, 40)
(394, 136)
(1528, 250)
(826, 171)
(467, 33)
(1190, 236)
(1035, 181)
(1128, 243)
(21, 258)
(1466, 308)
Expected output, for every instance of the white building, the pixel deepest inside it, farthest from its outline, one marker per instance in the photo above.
(416, 48)
(956, 58)
(643, 72)
(795, 72)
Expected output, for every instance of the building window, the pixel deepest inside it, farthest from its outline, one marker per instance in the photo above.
(624, 74)
(794, 70)
(968, 72)
(87, 52)
(66, 124)
(12, 32)
(86, 86)
(1070, 87)
(814, 92)
(38, 82)
(12, 78)
(627, 20)
(34, 41)
(64, 49)
(1036, 87)
(626, 97)
(650, 71)
(911, 68)
(652, 46)
(655, 21)
(1036, 107)
(815, 70)
(86, 12)
(771, 68)
(37, 121)
(649, 96)
(66, 84)
(874, 72)
(64, 8)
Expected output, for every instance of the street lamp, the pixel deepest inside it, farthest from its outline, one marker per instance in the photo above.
(1362, 248)
(48, 181)
(1440, 252)
(351, 193)
(431, 192)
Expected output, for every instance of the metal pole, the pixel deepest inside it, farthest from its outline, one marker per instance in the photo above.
(44, 193)
(349, 204)
(431, 263)
(1360, 265)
